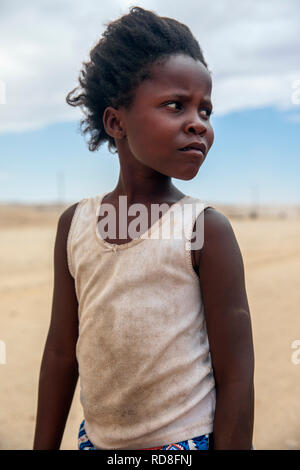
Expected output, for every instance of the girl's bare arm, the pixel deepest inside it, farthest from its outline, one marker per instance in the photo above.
(222, 282)
(59, 369)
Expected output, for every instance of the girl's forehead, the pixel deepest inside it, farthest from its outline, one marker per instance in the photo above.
(179, 71)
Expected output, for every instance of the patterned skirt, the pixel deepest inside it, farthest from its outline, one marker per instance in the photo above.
(204, 442)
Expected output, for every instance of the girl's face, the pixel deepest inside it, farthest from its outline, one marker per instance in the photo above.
(171, 111)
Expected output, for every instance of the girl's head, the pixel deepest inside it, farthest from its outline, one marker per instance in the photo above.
(142, 52)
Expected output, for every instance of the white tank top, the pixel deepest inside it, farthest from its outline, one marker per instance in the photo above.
(145, 370)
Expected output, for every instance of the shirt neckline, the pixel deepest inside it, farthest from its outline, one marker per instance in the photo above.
(116, 247)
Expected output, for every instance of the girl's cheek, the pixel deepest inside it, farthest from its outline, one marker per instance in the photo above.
(211, 136)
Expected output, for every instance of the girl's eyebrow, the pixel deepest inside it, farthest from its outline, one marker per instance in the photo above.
(184, 97)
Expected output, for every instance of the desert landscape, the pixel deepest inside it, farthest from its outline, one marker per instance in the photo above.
(269, 239)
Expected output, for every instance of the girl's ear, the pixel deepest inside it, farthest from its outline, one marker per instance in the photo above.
(113, 124)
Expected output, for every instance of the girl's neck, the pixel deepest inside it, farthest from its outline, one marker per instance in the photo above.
(153, 190)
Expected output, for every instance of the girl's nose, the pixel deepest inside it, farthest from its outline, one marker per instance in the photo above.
(195, 126)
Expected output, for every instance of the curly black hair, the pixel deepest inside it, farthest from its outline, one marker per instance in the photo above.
(121, 60)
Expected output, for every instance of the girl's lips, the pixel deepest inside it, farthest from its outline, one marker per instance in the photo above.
(193, 151)
(196, 145)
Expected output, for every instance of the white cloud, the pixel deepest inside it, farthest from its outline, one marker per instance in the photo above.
(251, 47)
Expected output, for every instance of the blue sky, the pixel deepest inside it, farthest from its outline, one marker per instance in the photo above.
(255, 64)
(254, 158)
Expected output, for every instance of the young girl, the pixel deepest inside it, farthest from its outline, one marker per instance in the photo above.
(158, 330)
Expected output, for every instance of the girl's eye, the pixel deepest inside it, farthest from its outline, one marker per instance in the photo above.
(207, 111)
(176, 105)
(172, 103)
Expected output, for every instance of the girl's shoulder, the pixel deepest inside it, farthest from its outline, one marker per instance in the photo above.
(215, 222)
(69, 216)
(66, 218)
(220, 243)
(61, 264)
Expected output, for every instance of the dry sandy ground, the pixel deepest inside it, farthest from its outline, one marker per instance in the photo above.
(271, 251)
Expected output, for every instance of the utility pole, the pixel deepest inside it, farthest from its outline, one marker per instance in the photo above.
(254, 211)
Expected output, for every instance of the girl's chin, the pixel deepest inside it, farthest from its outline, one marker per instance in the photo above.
(183, 172)
(189, 173)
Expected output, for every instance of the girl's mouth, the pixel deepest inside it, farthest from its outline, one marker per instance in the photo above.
(192, 151)
(197, 148)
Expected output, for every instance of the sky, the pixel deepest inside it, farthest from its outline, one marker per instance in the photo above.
(251, 48)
